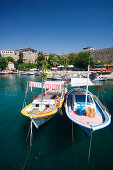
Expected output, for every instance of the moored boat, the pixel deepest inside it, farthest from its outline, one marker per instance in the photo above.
(86, 110)
(54, 78)
(45, 105)
(3, 72)
(30, 72)
(100, 78)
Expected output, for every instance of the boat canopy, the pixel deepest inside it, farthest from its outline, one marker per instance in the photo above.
(47, 84)
(75, 82)
(98, 65)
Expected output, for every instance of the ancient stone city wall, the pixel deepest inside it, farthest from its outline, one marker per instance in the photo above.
(27, 57)
(105, 54)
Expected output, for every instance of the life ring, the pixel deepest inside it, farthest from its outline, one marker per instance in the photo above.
(57, 101)
(34, 97)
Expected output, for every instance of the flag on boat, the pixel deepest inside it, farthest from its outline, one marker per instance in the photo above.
(43, 72)
(67, 78)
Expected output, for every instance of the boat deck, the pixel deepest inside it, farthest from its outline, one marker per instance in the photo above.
(48, 96)
(87, 120)
(35, 111)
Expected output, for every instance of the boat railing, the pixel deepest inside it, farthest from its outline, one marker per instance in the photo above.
(94, 97)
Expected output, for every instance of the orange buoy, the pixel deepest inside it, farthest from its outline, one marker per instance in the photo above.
(57, 101)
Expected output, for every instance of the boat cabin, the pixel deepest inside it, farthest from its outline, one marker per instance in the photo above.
(48, 102)
(80, 100)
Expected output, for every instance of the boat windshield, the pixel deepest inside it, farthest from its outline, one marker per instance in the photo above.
(80, 99)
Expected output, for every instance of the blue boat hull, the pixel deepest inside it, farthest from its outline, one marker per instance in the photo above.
(40, 122)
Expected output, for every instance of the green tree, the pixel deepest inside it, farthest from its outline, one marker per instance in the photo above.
(82, 60)
(102, 62)
(50, 60)
(56, 61)
(20, 60)
(16, 64)
(9, 59)
(3, 63)
(64, 61)
(40, 59)
(72, 58)
(53, 60)
(26, 66)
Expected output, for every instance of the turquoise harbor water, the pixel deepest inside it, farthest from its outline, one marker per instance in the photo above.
(52, 143)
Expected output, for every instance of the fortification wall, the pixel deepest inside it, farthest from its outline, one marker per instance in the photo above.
(15, 56)
(105, 54)
(27, 57)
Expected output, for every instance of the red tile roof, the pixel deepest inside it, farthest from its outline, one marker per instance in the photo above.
(6, 49)
(25, 49)
(10, 62)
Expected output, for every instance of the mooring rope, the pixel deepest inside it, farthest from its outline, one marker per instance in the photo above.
(24, 101)
(75, 150)
(72, 133)
(31, 135)
(104, 100)
(26, 92)
(28, 133)
(90, 148)
(26, 159)
(60, 111)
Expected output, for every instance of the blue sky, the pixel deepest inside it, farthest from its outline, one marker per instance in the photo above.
(56, 25)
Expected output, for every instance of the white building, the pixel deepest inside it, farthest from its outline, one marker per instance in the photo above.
(10, 66)
(88, 49)
(46, 55)
(6, 51)
(26, 50)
